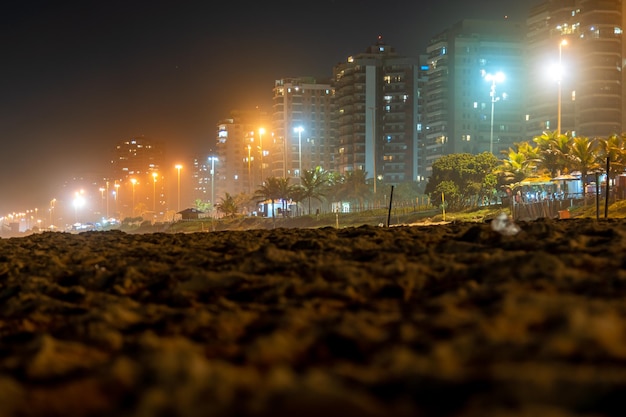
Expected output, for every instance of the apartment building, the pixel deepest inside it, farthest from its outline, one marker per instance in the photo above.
(303, 137)
(474, 92)
(575, 63)
(376, 114)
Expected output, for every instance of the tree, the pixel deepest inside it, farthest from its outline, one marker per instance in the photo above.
(312, 184)
(519, 164)
(613, 148)
(464, 178)
(202, 206)
(269, 190)
(584, 157)
(285, 191)
(227, 206)
(354, 187)
(554, 152)
(274, 189)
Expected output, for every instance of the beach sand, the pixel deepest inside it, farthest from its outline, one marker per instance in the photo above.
(442, 320)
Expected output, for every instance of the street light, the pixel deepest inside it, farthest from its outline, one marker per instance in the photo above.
(79, 201)
(498, 77)
(178, 168)
(299, 129)
(133, 182)
(102, 190)
(117, 195)
(261, 132)
(213, 159)
(107, 200)
(154, 180)
(249, 177)
(52, 202)
(559, 76)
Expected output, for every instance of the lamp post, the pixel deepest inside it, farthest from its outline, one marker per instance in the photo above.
(494, 79)
(261, 132)
(102, 190)
(117, 194)
(213, 159)
(299, 129)
(52, 202)
(154, 181)
(559, 76)
(133, 181)
(79, 201)
(107, 201)
(178, 168)
(249, 177)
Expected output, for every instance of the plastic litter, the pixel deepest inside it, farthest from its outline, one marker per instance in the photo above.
(504, 225)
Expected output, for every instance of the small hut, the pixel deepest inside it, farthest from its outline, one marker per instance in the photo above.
(190, 214)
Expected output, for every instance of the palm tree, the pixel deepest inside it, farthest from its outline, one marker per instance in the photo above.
(355, 186)
(613, 149)
(554, 151)
(227, 206)
(269, 190)
(584, 157)
(518, 165)
(333, 188)
(285, 191)
(312, 183)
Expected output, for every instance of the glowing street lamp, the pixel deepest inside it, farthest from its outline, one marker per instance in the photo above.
(299, 130)
(178, 168)
(102, 190)
(494, 79)
(213, 159)
(117, 193)
(559, 76)
(52, 203)
(154, 181)
(249, 177)
(79, 202)
(261, 132)
(107, 201)
(133, 182)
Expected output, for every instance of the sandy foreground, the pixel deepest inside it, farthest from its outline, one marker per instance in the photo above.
(446, 320)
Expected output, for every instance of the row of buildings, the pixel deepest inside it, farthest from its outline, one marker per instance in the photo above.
(480, 86)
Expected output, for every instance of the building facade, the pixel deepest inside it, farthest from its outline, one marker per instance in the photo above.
(474, 92)
(241, 152)
(303, 137)
(138, 180)
(376, 114)
(575, 67)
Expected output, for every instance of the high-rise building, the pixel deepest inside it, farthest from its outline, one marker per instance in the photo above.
(474, 92)
(301, 122)
(137, 180)
(422, 79)
(242, 153)
(575, 64)
(376, 114)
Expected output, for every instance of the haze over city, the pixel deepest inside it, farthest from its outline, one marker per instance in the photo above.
(78, 77)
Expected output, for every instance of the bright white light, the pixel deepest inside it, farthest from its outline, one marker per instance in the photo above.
(498, 77)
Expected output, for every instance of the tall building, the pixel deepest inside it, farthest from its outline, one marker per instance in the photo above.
(376, 114)
(575, 64)
(301, 122)
(474, 92)
(137, 178)
(242, 152)
(422, 79)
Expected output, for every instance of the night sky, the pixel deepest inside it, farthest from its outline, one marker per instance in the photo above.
(77, 77)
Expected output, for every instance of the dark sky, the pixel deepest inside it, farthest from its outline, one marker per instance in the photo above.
(78, 76)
